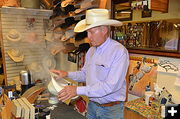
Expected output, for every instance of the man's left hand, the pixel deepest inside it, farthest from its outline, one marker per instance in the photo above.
(67, 93)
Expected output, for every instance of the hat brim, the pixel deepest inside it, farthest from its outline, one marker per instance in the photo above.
(14, 40)
(82, 26)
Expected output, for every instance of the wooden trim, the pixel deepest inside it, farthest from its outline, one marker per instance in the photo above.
(158, 53)
(2, 52)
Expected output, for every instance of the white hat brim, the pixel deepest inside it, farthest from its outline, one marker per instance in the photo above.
(81, 26)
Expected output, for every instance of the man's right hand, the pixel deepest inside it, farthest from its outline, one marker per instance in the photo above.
(60, 73)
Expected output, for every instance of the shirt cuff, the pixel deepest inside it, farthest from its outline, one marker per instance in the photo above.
(81, 90)
(70, 74)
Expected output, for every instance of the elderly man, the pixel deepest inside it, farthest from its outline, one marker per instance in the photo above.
(104, 70)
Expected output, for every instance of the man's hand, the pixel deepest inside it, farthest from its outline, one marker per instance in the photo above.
(60, 73)
(67, 93)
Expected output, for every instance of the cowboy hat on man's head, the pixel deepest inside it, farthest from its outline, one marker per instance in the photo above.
(94, 18)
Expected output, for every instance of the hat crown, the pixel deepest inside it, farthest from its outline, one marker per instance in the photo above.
(96, 15)
(13, 34)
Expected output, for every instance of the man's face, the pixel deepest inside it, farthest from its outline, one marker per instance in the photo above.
(96, 36)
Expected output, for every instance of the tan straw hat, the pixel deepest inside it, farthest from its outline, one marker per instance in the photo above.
(16, 55)
(66, 3)
(94, 18)
(13, 35)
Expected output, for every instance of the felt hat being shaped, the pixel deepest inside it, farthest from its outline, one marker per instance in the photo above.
(35, 67)
(13, 35)
(54, 87)
(94, 18)
(16, 55)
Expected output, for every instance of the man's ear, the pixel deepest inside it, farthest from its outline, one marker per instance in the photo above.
(104, 29)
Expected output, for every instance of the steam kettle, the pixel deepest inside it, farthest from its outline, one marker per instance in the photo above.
(26, 80)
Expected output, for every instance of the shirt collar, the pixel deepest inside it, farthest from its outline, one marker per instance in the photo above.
(104, 45)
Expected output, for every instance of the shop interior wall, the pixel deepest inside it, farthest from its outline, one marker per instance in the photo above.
(163, 79)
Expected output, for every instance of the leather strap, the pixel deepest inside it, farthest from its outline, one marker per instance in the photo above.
(108, 104)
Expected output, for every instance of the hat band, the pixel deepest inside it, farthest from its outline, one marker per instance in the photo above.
(91, 20)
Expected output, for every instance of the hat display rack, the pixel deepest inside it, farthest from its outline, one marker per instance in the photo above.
(66, 14)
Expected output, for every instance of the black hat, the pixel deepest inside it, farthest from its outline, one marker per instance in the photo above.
(69, 8)
(83, 48)
(80, 36)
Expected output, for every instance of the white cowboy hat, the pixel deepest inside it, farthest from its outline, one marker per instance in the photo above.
(13, 35)
(94, 18)
(16, 55)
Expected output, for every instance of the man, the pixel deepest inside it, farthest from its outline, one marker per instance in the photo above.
(104, 70)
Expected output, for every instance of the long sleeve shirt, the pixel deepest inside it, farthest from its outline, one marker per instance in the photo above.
(104, 72)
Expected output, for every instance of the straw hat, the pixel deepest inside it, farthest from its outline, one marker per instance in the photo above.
(94, 18)
(13, 35)
(16, 55)
(66, 3)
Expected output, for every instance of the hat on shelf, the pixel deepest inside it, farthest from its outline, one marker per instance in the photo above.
(66, 2)
(86, 4)
(13, 35)
(35, 67)
(48, 4)
(69, 47)
(80, 36)
(58, 36)
(68, 22)
(49, 62)
(69, 8)
(58, 11)
(68, 34)
(94, 18)
(11, 3)
(16, 55)
(83, 48)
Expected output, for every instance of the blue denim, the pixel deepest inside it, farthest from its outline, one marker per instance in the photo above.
(98, 112)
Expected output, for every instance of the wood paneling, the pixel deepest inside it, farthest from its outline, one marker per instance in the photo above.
(159, 5)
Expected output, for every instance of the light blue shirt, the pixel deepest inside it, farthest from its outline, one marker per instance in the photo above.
(104, 72)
